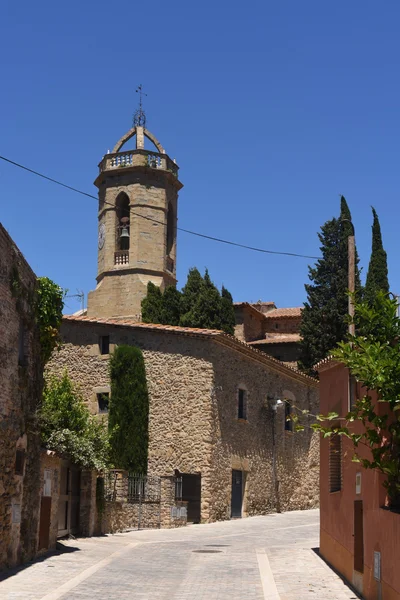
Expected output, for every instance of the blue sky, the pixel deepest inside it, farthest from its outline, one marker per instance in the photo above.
(272, 110)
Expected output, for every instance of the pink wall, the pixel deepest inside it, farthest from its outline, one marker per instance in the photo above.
(381, 528)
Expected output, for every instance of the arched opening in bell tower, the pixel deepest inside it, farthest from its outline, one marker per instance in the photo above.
(170, 228)
(122, 211)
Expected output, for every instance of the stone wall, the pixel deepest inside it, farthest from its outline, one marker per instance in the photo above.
(121, 287)
(282, 325)
(21, 386)
(287, 352)
(249, 323)
(193, 424)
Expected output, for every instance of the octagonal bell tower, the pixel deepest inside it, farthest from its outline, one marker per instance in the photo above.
(138, 206)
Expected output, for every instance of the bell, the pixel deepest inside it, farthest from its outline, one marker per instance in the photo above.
(124, 232)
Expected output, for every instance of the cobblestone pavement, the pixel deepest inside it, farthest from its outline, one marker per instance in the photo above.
(258, 558)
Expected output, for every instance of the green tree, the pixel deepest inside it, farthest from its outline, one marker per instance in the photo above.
(129, 410)
(190, 293)
(377, 276)
(152, 305)
(68, 428)
(228, 320)
(171, 306)
(324, 317)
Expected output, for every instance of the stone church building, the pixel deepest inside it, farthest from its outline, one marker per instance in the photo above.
(217, 403)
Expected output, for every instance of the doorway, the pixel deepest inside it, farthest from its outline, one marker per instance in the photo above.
(237, 494)
(358, 537)
(191, 493)
(68, 505)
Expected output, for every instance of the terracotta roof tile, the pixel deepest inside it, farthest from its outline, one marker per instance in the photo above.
(277, 338)
(277, 313)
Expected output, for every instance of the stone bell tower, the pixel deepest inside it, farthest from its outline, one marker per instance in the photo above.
(138, 205)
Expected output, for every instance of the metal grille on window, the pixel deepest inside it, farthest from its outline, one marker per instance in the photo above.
(335, 463)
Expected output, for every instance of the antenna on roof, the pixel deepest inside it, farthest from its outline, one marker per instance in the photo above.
(139, 118)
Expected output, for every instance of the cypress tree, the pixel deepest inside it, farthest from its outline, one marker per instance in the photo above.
(171, 306)
(206, 312)
(128, 418)
(324, 317)
(228, 320)
(377, 276)
(190, 293)
(152, 305)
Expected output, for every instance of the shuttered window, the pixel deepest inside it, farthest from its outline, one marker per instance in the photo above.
(335, 463)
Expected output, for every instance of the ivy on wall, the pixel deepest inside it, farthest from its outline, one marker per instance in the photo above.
(49, 307)
(129, 410)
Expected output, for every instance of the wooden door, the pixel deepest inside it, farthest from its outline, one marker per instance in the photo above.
(68, 505)
(358, 536)
(237, 494)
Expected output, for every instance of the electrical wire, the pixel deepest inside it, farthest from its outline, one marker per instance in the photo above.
(196, 233)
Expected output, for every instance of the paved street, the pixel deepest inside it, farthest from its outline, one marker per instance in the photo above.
(259, 558)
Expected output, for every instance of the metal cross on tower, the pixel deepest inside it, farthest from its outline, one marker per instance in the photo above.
(139, 118)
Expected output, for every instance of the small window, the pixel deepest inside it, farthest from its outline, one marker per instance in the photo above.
(276, 325)
(104, 344)
(103, 401)
(242, 404)
(352, 392)
(288, 420)
(19, 462)
(335, 463)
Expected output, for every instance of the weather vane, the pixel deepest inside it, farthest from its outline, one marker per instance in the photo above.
(139, 118)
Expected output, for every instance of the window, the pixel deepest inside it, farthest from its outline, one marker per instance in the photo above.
(19, 462)
(276, 325)
(104, 344)
(352, 392)
(242, 404)
(103, 401)
(335, 463)
(170, 228)
(288, 420)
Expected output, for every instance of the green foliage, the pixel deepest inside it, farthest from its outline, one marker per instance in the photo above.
(200, 304)
(190, 293)
(377, 276)
(49, 307)
(171, 302)
(228, 320)
(152, 304)
(373, 358)
(68, 428)
(324, 317)
(129, 410)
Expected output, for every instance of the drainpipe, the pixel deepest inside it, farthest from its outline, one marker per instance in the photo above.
(274, 403)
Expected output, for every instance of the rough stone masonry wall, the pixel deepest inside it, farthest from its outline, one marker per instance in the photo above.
(179, 378)
(20, 392)
(282, 325)
(193, 423)
(249, 325)
(246, 445)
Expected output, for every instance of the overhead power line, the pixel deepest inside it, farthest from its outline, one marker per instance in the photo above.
(196, 233)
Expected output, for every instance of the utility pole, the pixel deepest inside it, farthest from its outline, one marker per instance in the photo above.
(351, 247)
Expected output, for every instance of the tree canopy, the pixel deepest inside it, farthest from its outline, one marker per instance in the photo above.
(68, 428)
(324, 317)
(199, 304)
(377, 276)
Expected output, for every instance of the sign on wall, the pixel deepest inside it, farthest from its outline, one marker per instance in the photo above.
(358, 483)
(47, 483)
(377, 566)
(16, 513)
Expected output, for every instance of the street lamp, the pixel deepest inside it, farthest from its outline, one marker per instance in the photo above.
(274, 402)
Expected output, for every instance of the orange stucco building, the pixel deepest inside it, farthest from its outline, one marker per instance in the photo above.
(359, 536)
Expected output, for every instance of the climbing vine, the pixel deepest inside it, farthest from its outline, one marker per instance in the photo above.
(49, 307)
